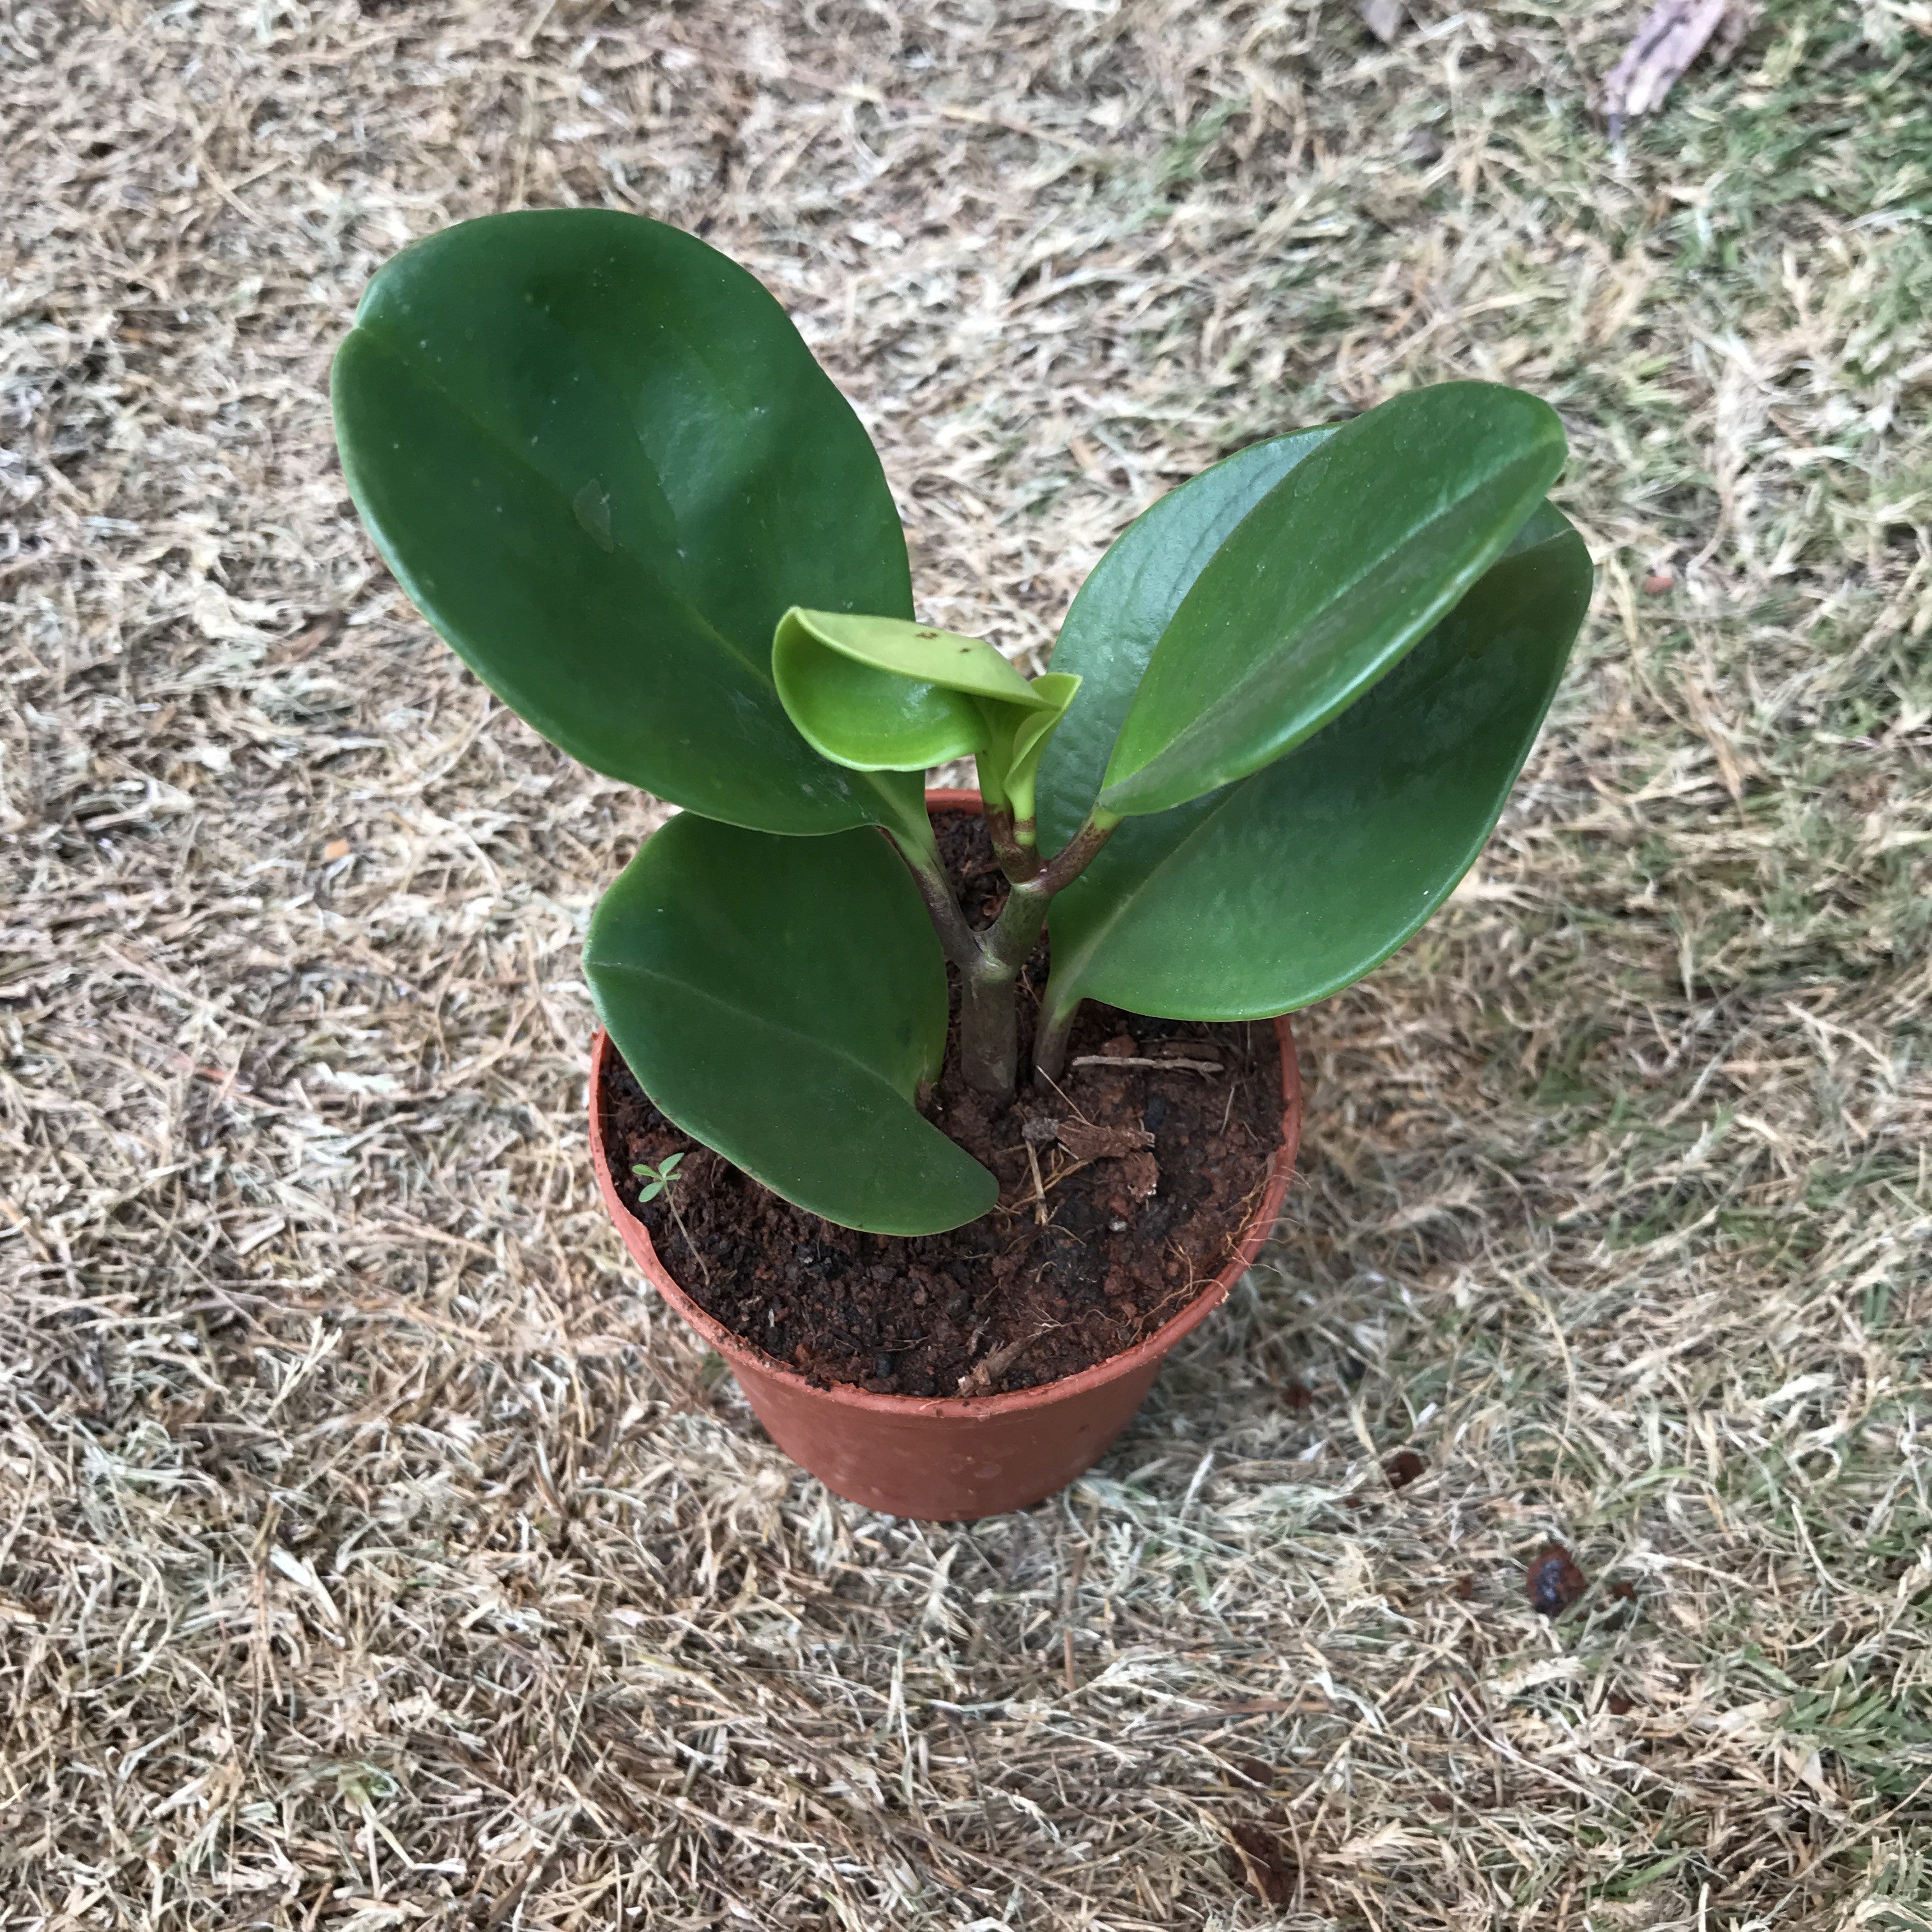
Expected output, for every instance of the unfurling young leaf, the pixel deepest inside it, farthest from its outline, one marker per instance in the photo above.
(1010, 763)
(880, 694)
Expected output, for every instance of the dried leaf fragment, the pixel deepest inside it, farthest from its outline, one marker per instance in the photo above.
(1383, 19)
(1085, 1142)
(1143, 1175)
(980, 1380)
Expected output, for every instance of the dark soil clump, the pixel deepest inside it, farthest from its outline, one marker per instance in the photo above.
(1554, 1582)
(1145, 1179)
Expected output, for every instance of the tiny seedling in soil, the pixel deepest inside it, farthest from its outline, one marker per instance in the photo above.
(657, 1180)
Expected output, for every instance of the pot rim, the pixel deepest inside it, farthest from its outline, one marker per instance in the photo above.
(735, 1349)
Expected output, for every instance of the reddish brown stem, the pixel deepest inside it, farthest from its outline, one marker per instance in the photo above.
(1012, 844)
(1066, 865)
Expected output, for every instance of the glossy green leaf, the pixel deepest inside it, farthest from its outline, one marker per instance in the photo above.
(1327, 581)
(881, 693)
(1128, 601)
(599, 456)
(781, 1000)
(1286, 885)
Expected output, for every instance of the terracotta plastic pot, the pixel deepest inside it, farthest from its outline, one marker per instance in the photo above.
(952, 1458)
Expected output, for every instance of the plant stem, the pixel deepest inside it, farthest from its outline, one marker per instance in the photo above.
(1012, 844)
(990, 961)
(1077, 853)
(958, 941)
(1012, 936)
(1049, 1042)
(1050, 1036)
(989, 1036)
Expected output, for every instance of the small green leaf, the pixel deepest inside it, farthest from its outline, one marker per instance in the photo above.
(659, 1177)
(602, 462)
(1318, 591)
(1019, 739)
(880, 694)
(1285, 887)
(916, 651)
(781, 1000)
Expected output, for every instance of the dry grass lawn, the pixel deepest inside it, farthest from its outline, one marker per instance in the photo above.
(374, 1554)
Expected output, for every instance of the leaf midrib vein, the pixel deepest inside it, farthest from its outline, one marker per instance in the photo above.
(658, 977)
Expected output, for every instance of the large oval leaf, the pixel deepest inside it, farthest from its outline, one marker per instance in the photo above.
(1287, 886)
(599, 458)
(1325, 583)
(781, 1000)
(1128, 599)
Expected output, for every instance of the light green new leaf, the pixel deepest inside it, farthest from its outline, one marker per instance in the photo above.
(600, 459)
(1327, 581)
(880, 693)
(781, 1000)
(1287, 886)
(1010, 764)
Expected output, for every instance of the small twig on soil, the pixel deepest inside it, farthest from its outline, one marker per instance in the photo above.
(1129, 1060)
(1064, 1094)
(978, 1379)
(1038, 1192)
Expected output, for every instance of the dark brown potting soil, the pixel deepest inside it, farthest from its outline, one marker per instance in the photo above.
(1145, 1178)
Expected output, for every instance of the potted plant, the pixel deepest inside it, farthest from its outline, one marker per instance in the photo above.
(1280, 721)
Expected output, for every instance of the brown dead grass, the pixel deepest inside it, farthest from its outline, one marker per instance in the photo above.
(373, 1554)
